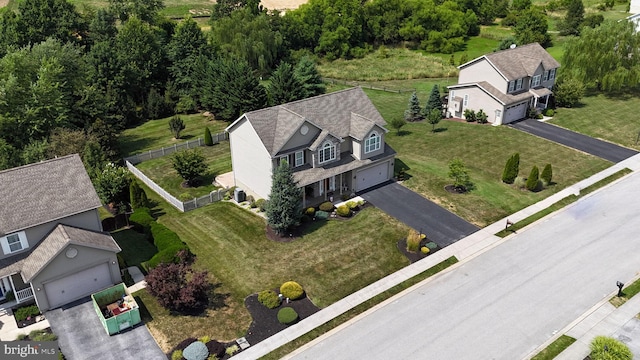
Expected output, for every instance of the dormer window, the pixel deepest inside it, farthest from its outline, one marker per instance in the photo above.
(14, 242)
(372, 143)
(299, 158)
(536, 81)
(512, 86)
(519, 84)
(327, 152)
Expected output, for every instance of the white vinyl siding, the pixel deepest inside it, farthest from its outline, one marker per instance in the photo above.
(536, 81)
(519, 84)
(372, 143)
(326, 153)
(299, 158)
(14, 242)
(512, 86)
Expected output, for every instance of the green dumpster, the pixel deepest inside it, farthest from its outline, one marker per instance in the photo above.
(116, 308)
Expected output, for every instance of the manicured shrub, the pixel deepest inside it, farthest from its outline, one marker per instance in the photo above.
(353, 205)
(532, 180)
(310, 211)
(208, 140)
(291, 290)
(607, 348)
(215, 348)
(481, 116)
(42, 335)
(413, 241)
(322, 215)
(164, 238)
(204, 339)
(232, 349)
(343, 210)
(431, 245)
(137, 195)
(326, 206)
(26, 312)
(142, 220)
(287, 316)
(269, 298)
(176, 125)
(261, 203)
(9, 296)
(178, 288)
(511, 169)
(177, 355)
(548, 112)
(425, 250)
(251, 201)
(547, 175)
(196, 351)
(470, 115)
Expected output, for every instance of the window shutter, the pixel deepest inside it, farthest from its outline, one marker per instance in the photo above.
(5, 246)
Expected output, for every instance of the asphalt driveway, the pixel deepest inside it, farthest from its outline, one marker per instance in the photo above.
(440, 225)
(599, 148)
(81, 336)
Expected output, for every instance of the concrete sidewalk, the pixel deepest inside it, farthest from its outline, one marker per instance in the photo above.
(465, 249)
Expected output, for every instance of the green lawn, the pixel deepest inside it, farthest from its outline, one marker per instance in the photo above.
(484, 149)
(161, 171)
(611, 118)
(136, 249)
(555, 348)
(332, 261)
(155, 134)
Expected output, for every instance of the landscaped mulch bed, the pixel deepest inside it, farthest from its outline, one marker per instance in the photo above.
(265, 321)
(413, 257)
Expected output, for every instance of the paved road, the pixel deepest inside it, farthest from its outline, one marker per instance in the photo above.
(509, 300)
(440, 225)
(599, 148)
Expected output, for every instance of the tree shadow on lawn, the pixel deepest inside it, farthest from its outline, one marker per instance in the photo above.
(440, 129)
(403, 133)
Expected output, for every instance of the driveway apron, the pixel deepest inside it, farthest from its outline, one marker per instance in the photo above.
(81, 336)
(440, 225)
(596, 147)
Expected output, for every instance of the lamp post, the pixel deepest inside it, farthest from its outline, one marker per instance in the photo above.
(620, 284)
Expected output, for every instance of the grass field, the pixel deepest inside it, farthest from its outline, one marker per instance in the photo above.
(555, 348)
(161, 171)
(611, 118)
(136, 249)
(331, 261)
(155, 134)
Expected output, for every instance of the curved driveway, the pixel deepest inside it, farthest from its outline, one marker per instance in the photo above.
(596, 147)
(514, 297)
(441, 226)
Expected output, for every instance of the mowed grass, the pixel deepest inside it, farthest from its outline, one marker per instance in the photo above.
(136, 249)
(155, 134)
(555, 348)
(611, 118)
(331, 261)
(484, 149)
(161, 171)
(388, 64)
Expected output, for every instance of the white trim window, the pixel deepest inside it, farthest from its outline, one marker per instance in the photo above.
(536, 81)
(512, 86)
(452, 94)
(466, 100)
(299, 158)
(519, 84)
(14, 242)
(372, 143)
(326, 153)
(552, 74)
(546, 75)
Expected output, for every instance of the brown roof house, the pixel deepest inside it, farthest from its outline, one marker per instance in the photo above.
(333, 142)
(53, 247)
(504, 84)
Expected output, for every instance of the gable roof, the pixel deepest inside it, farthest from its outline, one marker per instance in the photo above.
(519, 62)
(43, 192)
(57, 241)
(504, 99)
(331, 112)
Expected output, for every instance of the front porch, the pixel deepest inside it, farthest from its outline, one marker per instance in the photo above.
(331, 189)
(540, 99)
(13, 288)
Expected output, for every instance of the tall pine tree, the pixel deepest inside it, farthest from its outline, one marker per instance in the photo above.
(285, 86)
(308, 75)
(413, 111)
(434, 101)
(572, 22)
(283, 207)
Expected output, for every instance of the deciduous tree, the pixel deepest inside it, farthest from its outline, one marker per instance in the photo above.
(397, 123)
(178, 287)
(190, 164)
(434, 118)
(532, 27)
(459, 174)
(176, 125)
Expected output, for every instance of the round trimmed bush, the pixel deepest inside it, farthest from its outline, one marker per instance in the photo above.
(425, 250)
(431, 245)
(287, 316)
(177, 355)
(196, 351)
(343, 210)
(352, 205)
(310, 211)
(291, 290)
(326, 206)
(269, 298)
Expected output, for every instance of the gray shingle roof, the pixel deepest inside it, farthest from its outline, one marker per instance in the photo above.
(57, 241)
(520, 61)
(505, 99)
(43, 192)
(331, 112)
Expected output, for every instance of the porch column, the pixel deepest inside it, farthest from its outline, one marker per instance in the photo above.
(341, 176)
(546, 101)
(13, 288)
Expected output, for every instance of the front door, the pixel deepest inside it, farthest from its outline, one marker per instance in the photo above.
(498, 117)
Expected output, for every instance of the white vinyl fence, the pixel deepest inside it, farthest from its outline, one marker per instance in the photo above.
(183, 206)
(154, 154)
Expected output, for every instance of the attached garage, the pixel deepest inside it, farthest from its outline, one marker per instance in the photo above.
(515, 112)
(372, 176)
(78, 285)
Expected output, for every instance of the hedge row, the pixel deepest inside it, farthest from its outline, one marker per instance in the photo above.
(166, 241)
(141, 220)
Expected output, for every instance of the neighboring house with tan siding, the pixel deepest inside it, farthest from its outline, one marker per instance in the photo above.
(53, 249)
(504, 84)
(334, 144)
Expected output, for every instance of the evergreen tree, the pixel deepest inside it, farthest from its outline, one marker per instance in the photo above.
(413, 112)
(208, 140)
(176, 125)
(284, 86)
(434, 101)
(532, 180)
(137, 195)
(283, 207)
(547, 175)
(574, 18)
(511, 169)
(307, 73)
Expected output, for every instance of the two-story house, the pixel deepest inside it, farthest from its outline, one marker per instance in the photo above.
(504, 84)
(333, 142)
(53, 249)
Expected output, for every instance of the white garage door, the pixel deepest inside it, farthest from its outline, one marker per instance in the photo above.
(75, 286)
(372, 176)
(515, 112)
